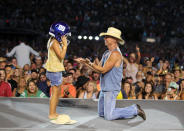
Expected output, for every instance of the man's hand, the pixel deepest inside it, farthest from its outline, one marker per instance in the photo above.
(87, 61)
(83, 61)
(80, 60)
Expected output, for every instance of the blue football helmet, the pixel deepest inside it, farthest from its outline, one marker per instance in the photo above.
(59, 29)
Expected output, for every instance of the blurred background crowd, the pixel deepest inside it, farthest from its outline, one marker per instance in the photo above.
(151, 70)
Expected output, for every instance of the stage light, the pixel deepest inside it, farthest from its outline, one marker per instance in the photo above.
(79, 37)
(151, 40)
(85, 37)
(96, 38)
(90, 37)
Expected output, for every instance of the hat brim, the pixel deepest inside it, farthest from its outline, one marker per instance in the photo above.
(64, 123)
(121, 41)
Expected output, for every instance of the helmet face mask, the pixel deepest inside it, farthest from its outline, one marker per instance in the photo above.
(59, 29)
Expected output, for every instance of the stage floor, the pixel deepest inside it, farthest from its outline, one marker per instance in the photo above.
(32, 114)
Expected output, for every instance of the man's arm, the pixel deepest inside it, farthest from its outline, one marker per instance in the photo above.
(11, 53)
(110, 63)
(34, 52)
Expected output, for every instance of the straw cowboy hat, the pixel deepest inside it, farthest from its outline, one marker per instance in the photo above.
(64, 120)
(116, 33)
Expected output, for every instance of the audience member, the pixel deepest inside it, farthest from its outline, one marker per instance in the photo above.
(5, 88)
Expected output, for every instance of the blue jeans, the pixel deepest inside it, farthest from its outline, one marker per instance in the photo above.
(55, 78)
(106, 107)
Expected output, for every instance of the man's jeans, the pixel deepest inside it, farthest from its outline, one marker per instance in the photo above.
(106, 107)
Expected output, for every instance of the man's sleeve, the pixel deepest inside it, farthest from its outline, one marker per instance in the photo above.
(33, 51)
(11, 53)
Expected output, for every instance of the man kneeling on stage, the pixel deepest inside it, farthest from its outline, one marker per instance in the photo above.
(111, 69)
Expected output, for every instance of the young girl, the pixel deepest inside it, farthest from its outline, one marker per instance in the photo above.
(57, 47)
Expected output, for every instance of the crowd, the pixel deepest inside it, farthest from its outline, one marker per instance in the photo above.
(155, 18)
(150, 72)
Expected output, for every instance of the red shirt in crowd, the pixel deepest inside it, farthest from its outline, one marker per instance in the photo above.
(5, 89)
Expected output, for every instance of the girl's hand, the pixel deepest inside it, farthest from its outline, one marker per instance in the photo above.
(64, 41)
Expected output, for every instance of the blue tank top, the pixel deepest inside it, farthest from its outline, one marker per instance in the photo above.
(111, 80)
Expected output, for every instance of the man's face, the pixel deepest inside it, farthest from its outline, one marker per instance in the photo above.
(109, 40)
(2, 75)
(34, 75)
(38, 61)
(95, 76)
(43, 78)
(70, 79)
